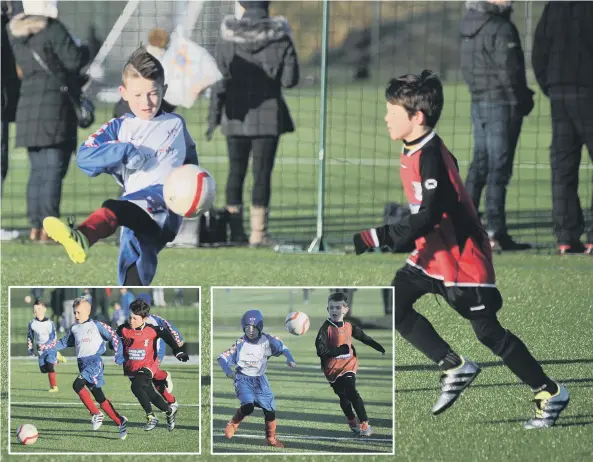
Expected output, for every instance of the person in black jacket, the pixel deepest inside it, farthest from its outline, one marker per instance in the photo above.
(256, 57)
(46, 120)
(563, 64)
(493, 67)
(10, 96)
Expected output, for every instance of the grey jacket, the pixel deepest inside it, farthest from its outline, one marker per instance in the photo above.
(256, 57)
(45, 116)
(492, 60)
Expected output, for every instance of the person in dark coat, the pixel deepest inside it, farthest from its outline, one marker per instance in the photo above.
(10, 96)
(46, 120)
(563, 64)
(493, 66)
(256, 57)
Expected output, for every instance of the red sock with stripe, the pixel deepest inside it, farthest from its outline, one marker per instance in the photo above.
(87, 400)
(100, 224)
(112, 413)
(163, 391)
(52, 379)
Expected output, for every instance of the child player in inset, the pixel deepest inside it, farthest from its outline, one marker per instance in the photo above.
(139, 150)
(246, 362)
(452, 255)
(339, 361)
(141, 361)
(89, 337)
(43, 331)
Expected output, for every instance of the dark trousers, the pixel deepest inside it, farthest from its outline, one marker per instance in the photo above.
(4, 159)
(572, 127)
(496, 130)
(44, 189)
(264, 153)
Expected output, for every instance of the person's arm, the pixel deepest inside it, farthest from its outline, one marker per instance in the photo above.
(66, 341)
(170, 340)
(401, 234)
(30, 339)
(191, 154)
(218, 91)
(162, 322)
(278, 348)
(228, 358)
(290, 66)
(102, 152)
(359, 335)
(324, 351)
(541, 51)
(72, 57)
(510, 62)
(111, 336)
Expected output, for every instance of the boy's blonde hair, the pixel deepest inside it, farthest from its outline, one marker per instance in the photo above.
(142, 64)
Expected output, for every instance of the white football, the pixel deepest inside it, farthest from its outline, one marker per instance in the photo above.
(297, 323)
(27, 434)
(189, 191)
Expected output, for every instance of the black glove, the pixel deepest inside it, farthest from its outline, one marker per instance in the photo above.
(363, 242)
(343, 349)
(182, 356)
(210, 132)
(526, 104)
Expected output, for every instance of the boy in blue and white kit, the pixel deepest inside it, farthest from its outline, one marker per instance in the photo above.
(42, 331)
(89, 337)
(249, 358)
(139, 150)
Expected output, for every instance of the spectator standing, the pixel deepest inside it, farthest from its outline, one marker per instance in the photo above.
(10, 94)
(46, 120)
(493, 66)
(256, 57)
(125, 299)
(563, 64)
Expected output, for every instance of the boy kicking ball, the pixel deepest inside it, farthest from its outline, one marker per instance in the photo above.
(139, 150)
(339, 362)
(452, 257)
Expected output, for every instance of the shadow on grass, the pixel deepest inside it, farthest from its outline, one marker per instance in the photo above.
(485, 364)
(311, 399)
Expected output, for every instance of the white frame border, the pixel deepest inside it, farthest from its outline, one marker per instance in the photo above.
(147, 288)
(320, 454)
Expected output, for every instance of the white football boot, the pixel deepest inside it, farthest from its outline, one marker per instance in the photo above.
(123, 428)
(548, 408)
(97, 421)
(453, 382)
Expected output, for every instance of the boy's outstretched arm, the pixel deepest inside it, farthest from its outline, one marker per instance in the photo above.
(170, 327)
(407, 230)
(108, 334)
(66, 341)
(324, 350)
(278, 348)
(165, 334)
(226, 358)
(102, 152)
(359, 335)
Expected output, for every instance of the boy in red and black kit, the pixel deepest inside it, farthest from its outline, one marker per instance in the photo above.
(141, 362)
(452, 258)
(339, 362)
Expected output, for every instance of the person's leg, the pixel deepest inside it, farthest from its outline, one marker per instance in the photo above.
(106, 405)
(238, 148)
(264, 154)
(565, 158)
(340, 390)
(4, 158)
(270, 419)
(358, 404)
(37, 167)
(478, 169)
(57, 161)
(79, 386)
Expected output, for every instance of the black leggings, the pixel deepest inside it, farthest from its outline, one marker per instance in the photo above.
(345, 388)
(264, 153)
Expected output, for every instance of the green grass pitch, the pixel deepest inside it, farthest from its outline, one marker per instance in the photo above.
(548, 303)
(309, 416)
(64, 424)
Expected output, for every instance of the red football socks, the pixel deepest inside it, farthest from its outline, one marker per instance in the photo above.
(100, 224)
(52, 379)
(112, 413)
(87, 400)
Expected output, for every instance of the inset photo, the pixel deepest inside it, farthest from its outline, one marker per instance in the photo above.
(104, 370)
(302, 370)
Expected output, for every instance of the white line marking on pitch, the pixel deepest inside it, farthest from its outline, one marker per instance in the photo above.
(75, 403)
(298, 437)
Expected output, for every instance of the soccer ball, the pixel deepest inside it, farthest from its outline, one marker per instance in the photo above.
(189, 191)
(27, 434)
(297, 323)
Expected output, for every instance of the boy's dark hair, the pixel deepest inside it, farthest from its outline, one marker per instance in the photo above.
(140, 308)
(78, 300)
(142, 64)
(415, 93)
(38, 301)
(338, 297)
